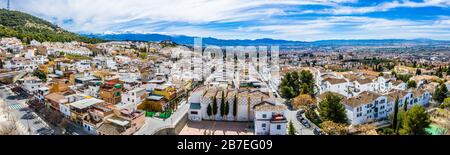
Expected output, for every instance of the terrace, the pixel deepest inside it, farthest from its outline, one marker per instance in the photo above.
(278, 118)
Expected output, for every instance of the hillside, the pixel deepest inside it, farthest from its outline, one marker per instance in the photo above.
(27, 27)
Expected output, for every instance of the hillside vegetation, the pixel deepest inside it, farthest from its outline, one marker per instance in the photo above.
(27, 28)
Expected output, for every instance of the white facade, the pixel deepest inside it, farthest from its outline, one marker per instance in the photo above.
(341, 88)
(382, 105)
(65, 109)
(195, 108)
(92, 90)
(133, 98)
(270, 119)
(89, 128)
(32, 84)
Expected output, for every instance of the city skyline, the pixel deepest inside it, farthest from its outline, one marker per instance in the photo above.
(306, 20)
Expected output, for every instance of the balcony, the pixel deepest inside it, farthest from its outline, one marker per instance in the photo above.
(278, 119)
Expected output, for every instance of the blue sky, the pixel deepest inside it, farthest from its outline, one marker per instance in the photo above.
(304, 20)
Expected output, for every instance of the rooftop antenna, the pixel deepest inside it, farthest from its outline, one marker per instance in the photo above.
(8, 5)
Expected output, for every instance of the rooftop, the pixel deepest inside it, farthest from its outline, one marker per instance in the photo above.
(362, 99)
(86, 103)
(335, 81)
(155, 97)
(267, 106)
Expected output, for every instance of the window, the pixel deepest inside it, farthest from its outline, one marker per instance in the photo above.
(264, 115)
(194, 112)
(264, 125)
(278, 127)
(128, 99)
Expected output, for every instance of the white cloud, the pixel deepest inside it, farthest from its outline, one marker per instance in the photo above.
(386, 6)
(101, 15)
(349, 27)
(195, 17)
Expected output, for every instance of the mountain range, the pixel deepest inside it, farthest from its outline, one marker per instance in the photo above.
(189, 40)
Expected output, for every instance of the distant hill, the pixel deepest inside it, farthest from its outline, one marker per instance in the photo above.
(27, 27)
(189, 40)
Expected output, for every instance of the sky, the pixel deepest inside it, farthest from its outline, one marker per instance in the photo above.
(300, 20)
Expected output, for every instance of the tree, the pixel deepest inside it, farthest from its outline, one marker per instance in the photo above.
(222, 105)
(366, 129)
(291, 128)
(214, 106)
(331, 109)
(295, 83)
(395, 120)
(307, 79)
(332, 128)
(412, 84)
(290, 85)
(415, 121)
(143, 55)
(41, 75)
(303, 101)
(287, 92)
(418, 71)
(440, 93)
(1, 64)
(227, 108)
(445, 104)
(405, 106)
(209, 110)
(235, 106)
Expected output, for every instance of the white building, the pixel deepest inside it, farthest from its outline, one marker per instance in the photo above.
(31, 84)
(371, 107)
(195, 108)
(270, 119)
(131, 99)
(336, 85)
(42, 92)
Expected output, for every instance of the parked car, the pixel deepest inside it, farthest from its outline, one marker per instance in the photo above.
(317, 131)
(44, 131)
(300, 118)
(306, 123)
(28, 116)
(301, 112)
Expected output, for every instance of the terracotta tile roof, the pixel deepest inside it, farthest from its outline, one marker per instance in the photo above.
(267, 106)
(110, 129)
(335, 81)
(361, 99)
(55, 97)
(392, 96)
(364, 81)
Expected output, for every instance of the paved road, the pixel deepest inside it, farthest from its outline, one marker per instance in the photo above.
(153, 125)
(301, 130)
(18, 111)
